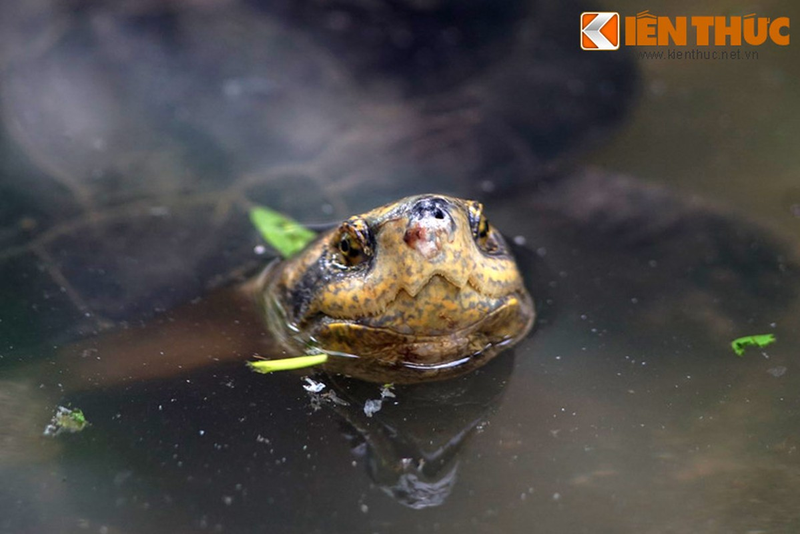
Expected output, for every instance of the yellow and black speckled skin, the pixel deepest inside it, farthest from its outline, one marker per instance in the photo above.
(427, 301)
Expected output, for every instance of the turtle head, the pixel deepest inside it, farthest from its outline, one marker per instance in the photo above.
(425, 282)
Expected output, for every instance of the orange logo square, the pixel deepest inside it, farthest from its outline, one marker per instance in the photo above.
(599, 30)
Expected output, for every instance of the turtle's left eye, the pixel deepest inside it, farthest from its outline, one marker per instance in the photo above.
(481, 229)
(353, 242)
(482, 232)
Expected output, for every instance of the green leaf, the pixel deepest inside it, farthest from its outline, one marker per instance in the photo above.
(285, 235)
(287, 364)
(78, 418)
(66, 420)
(761, 340)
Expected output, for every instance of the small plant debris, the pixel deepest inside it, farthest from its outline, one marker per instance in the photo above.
(66, 420)
(287, 364)
(761, 340)
(285, 235)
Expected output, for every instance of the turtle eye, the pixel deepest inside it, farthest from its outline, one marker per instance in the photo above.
(353, 242)
(481, 229)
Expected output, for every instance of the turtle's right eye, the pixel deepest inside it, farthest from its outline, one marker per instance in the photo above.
(353, 242)
(350, 248)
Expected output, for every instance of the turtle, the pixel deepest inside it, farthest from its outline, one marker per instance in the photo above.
(425, 284)
(421, 289)
(183, 134)
(138, 135)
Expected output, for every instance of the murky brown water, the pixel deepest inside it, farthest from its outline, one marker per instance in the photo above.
(734, 123)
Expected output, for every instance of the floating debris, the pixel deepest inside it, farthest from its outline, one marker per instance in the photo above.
(386, 391)
(761, 340)
(66, 420)
(312, 386)
(372, 406)
(285, 235)
(287, 364)
(317, 398)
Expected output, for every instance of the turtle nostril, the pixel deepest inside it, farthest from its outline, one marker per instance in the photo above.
(433, 207)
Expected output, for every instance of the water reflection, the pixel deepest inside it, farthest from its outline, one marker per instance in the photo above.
(411, 446)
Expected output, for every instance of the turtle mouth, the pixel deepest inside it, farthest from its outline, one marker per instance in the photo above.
(435, 326)
(508, 321)
(410, 336)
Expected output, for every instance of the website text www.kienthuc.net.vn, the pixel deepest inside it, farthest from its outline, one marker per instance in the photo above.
(697, 54)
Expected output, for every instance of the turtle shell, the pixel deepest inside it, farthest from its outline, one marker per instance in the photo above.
(137, 135)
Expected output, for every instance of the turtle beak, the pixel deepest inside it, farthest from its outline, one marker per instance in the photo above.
(430, 226)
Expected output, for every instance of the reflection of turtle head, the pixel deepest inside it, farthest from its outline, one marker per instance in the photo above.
(413, 488)
(423, 284)
(411, 446)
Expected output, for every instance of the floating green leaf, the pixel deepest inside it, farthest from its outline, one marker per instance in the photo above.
(285, 235)
(761, 340)
(66, 420)
(287, 364)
